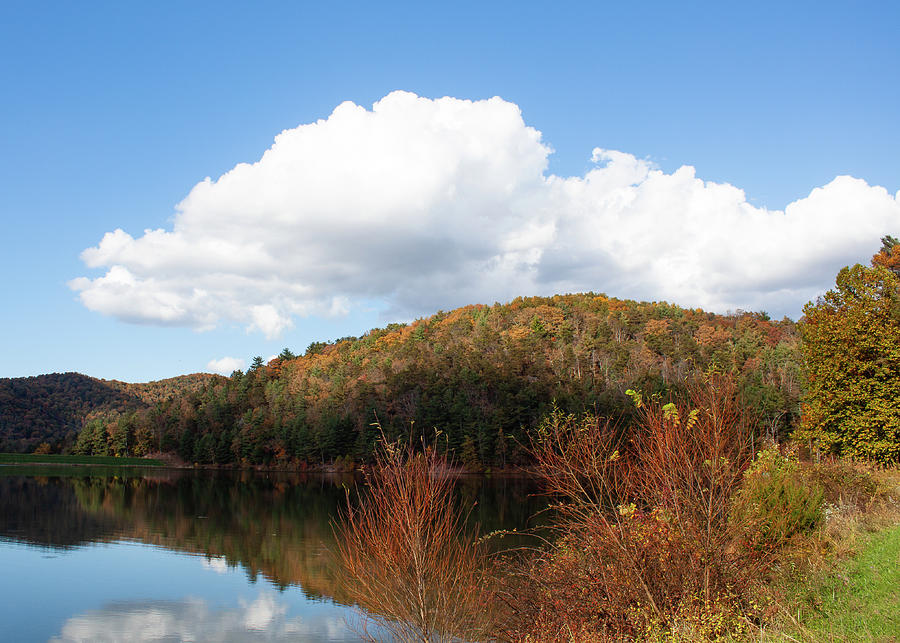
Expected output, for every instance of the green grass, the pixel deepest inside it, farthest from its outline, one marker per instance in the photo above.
(22, 458)
(860, 601)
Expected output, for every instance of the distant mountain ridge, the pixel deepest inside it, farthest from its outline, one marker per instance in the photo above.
(54, 407)
(482, 376)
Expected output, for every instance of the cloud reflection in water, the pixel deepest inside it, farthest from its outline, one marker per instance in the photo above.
(193, 619)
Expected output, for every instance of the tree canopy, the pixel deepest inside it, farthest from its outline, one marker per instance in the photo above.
(482, 375)
(851, 341)
(889, 255)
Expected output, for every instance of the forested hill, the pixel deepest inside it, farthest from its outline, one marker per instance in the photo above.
(482, 375)
(53, 408)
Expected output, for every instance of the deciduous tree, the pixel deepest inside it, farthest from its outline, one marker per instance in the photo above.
(851, 339)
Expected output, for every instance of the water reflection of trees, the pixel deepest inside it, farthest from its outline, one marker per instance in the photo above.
(277, 526)
(45, 512)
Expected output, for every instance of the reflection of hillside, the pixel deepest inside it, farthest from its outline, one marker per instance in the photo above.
(276, 526)
(41, 506)
(51, 516)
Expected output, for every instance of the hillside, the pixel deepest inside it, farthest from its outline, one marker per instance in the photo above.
(482, 375)
(53, 408)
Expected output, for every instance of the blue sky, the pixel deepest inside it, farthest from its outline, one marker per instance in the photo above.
(111, 114)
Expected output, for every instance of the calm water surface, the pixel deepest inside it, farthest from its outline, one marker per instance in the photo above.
(164, 555)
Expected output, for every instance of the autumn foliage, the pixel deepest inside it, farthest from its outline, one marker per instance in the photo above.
(851, 341)
(484, 375)
(406, 556)
(648, 539)
(54, 408)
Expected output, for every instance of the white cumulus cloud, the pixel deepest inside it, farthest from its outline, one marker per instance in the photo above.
(421, 204)
(226, 365)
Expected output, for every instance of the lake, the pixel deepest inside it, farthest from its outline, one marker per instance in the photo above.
(106, 554)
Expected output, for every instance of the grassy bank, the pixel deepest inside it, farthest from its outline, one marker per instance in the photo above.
(850, 587)
(861, 602)
(30, 458)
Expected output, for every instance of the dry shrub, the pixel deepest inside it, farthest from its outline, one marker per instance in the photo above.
(564, 593)
(860, 498)
(778, 502)
(647, 543)
(690, 462)
(844, 483)
(407, 558)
